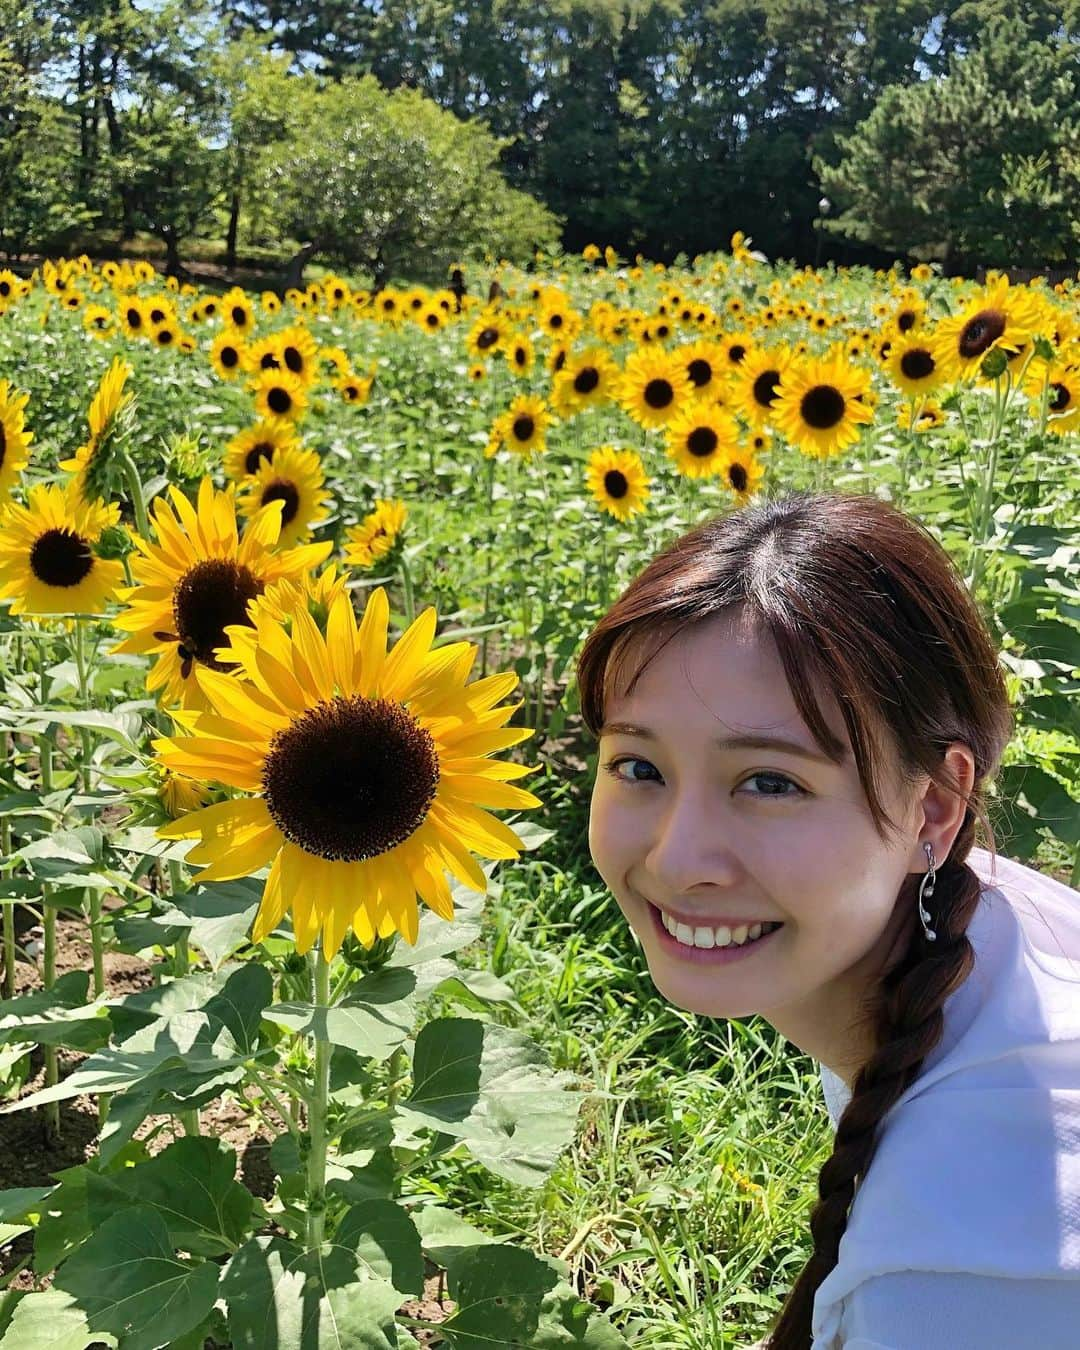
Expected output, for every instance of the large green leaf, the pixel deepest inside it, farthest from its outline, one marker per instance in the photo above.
(373, 1019)
(129, 1281)
(280, 1298)
(192, 1185)
(51, 1321)
(489, 1086)
(56, 1016)
(217, 918)
(383, 1239)
(444, 1234)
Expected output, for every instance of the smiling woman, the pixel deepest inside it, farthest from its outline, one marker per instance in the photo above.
(799, 710)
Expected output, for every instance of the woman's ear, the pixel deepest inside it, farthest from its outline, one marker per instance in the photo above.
(942, 809)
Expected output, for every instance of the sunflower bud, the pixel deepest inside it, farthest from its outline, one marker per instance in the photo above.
(114, 543)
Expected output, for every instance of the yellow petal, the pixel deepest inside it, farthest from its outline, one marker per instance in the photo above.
(372, 645)
(409, 651)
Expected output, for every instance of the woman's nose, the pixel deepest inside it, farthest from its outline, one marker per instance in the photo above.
(692, 843)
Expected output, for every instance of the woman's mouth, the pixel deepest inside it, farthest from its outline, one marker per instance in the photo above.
(706, 955)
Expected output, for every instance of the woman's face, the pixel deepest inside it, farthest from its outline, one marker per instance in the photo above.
(716, 834)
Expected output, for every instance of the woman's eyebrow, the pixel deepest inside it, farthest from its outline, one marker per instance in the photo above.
(756, 742)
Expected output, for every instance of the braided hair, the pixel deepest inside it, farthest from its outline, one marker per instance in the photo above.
(861, 600)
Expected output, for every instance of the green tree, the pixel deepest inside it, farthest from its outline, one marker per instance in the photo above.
(977, 167)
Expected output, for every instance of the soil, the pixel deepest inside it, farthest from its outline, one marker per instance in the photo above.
(29, 1158)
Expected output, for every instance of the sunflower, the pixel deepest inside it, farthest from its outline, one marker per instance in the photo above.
(524, 425)
(913, 366)
(368, 770)
(755, 382)
(165, 334)
(99, 320)
(133, 318)
(477, 372)
(14, 438)
(262, 354)
(375, 536)
(299, 353)
(819, 405)
(279, 393)
(587, 380)
(255, 445)
(228, 354)
(735, 348)
(617, 481)
(741, 472)
(238, 310)
(999, 316)
(519, 353)
(706, 365)
(47, 560)
(654, 387)
(91, 461)
(487, 335)
(1062, 383)
(196, 579)
(700, 438)
(294, 477)
(930, 415)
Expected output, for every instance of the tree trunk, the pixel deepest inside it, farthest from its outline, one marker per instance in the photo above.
(173, 266)
(230, 237)
(294, 270)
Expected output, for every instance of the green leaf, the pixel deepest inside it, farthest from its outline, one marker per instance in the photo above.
(1037, 799)
(444, 1234)
(192, 1185)
(373, 1019)
(489, 1086)
(23, 1201)
(217, 918)
(128, 1281)
(385, 1243)
(57, 1016)
(280, 1298)
(51, 1321)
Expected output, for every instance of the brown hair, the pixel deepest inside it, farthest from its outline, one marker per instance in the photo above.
(862, 601)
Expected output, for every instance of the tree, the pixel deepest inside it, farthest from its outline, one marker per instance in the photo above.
(975, 168)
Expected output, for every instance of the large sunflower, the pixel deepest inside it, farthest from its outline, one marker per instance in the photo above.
(91, 461)
(999, 316)
(742, 473)
(368, 771)
(756, 380)
(617, 481)
(818, 405)
(14, 438)
(913, 366)
(294, 477)
(253, 446)
(655, 387)
(47, 559)
(699, 440)
(524, 425)
(196, 580)
(279, 393)
(586, 380)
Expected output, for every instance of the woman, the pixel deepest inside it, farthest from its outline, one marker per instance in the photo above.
(799, 710)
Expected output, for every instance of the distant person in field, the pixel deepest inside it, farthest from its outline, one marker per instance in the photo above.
(799, 711)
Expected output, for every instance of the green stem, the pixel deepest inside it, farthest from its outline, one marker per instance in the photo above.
(181, 964)
(9, 916)
(397, 1059)
(48, 979)
(488, 553)
(135, 492)
(317, 1112)
(407, 587)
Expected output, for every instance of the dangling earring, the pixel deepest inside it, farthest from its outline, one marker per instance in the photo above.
(926, 890)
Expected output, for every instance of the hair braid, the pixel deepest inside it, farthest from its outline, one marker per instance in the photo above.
(908, 1015)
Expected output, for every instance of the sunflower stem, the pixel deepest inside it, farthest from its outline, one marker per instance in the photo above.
(9, 916)
(317, 1111)
(407, 587)
(135, 491)
(48, 979)
(488, 551)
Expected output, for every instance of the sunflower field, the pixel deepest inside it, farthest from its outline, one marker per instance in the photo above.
(317, 1029)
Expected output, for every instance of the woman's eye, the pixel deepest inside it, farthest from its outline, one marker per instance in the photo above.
(775, 779)
(614, 765)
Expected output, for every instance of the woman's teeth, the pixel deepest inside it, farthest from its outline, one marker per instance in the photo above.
(721, 936)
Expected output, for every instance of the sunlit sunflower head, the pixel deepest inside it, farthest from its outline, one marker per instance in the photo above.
(299, 353)
(736, 347)
(313, 591)
(108, 418)
(294, 477)
(261, 354)
(519, 353)
(586, 380)
(820, 404)
(756, 380)
(928, 415)
(99, 321)
(655, 387)
(237, 310)
(48, 560)
(487, 335)
(999, 316)
(353, 388)
(706, 364)
(255, 445)
(477, 373)
(375, 537)
(1059, 384)
(280, 394)
(14, 438)
(913, 366)
(195, 579)
(700, 438)
(525, 423)
(617, 481)
(741, 473)
(367, 772)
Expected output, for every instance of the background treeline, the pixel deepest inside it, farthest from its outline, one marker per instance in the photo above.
(387, 135)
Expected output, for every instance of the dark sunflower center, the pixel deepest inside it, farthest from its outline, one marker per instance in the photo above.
(523, 428)
(61, 558)
(737, 477)
(209, 309)
(351, 779)
(487, 338)
(230, 357)
(560, 361)
(556, 321)
(822, 407)
(1060, 400)
(164, 337)
(702, 441)
(432, 320)
(906, 320)
(981, 331)
(269, 361)
(134, 318)
(281, 490)
(700, 371)
(5, 288)
(765, 387)
(659, 393)
(615, 484)
(157, 316)
(239, 316)
(520, 355)
(585, 381)
(256, 455)
(279, 400)
(736, 353)
(210, 596)
(917, 364)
